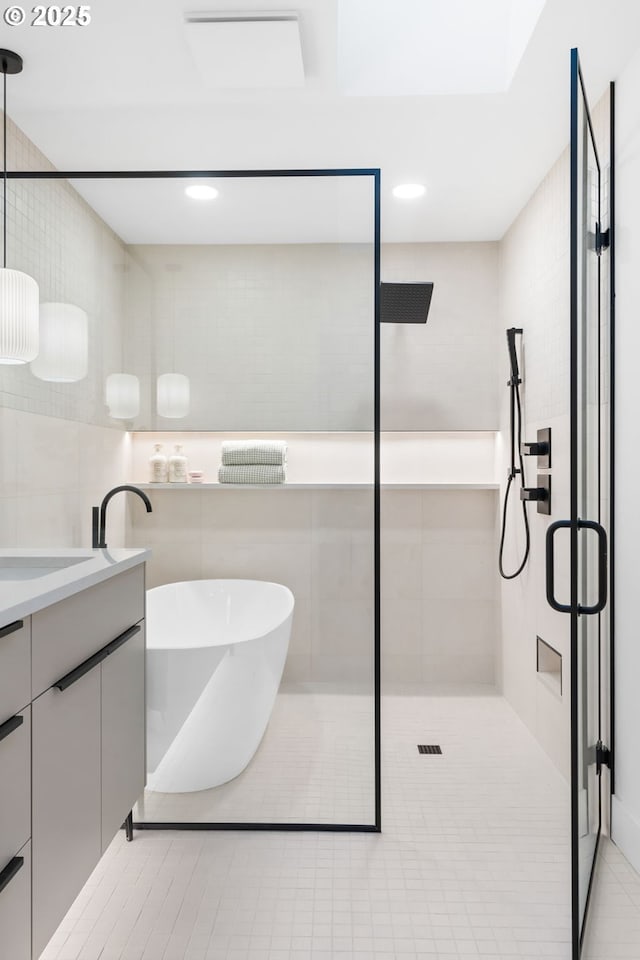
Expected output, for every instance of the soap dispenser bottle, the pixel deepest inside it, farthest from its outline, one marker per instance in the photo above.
(178, 466)
(158, 465)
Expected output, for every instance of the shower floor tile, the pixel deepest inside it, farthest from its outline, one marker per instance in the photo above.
(473, 861)
(314, 765)
(613, 928)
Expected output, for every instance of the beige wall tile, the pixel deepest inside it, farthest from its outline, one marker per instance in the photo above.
(173, 562)
(258, 516)
(459, 516)
(401, 623)
(400, 516)
(401, 570)
(453, 571)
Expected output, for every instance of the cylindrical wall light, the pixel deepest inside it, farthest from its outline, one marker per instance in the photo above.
(173, 395)
(122, 394)
(64, 343)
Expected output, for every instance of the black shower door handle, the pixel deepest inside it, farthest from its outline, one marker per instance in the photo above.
(550, 564)
(602, 566)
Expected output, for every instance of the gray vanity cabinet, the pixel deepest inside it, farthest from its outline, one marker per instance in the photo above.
(15, 906)
(66, 799)
(123, 733)
(88, 746)
(15, 784)
(15, 667)
(15, 790)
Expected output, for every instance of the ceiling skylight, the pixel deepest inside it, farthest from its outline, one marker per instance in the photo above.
(431, 47)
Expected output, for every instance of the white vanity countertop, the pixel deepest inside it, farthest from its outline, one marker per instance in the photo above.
(20, 596)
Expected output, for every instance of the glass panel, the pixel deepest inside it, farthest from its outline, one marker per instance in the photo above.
(80, 266)
(588, 501)
(244, 317)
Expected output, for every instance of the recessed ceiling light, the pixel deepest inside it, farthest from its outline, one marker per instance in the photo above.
(408, 191)
(200, 191)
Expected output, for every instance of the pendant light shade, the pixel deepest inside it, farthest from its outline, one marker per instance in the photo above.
(18, 317)
(122, 394)
(173, 395)
(18, 291)
(64, 343)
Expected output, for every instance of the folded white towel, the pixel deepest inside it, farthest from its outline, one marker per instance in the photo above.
(252, 473)
(235, 452)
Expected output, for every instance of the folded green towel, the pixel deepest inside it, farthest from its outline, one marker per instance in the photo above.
(238, 452)
(252, 473)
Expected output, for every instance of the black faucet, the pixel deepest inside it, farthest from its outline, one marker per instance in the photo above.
(99, 514)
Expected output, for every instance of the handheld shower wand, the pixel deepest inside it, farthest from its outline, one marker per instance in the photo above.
(515, 410)
(513, 353)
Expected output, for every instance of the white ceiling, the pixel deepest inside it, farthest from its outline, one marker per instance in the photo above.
(125, 93)
(278, 210)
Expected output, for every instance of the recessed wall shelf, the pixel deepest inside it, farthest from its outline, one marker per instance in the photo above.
(317, 486)
(549, 666)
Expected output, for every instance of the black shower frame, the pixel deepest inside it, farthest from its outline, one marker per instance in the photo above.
(578, 91)
(374, 173)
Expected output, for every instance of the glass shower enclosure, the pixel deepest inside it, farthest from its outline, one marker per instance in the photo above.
(250, 315)
(590, 524)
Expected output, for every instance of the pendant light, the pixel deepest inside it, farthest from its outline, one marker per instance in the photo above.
(64, 344)
(173, 395)
(18, 291)
(173, 390)
(122, 396)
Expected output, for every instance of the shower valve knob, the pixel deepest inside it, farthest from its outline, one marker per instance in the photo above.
(534, 449)
(534, 493)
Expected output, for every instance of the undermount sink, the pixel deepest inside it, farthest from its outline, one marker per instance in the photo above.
(29, 568)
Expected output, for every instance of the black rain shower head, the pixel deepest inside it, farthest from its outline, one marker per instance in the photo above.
(405, 302)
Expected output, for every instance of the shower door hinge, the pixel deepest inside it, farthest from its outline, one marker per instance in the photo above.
(603, 239)
(603, 757)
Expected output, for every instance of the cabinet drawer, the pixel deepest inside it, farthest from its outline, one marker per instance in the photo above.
(15, 906)
(15, 784)
(68, 632)
(15, 667)
(66, 799)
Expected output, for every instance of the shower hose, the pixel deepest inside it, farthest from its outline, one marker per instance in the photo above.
(516, 437)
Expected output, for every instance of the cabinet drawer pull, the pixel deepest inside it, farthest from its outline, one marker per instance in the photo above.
(10, 871)
(11, 628)
(10, 725)
(78, 672)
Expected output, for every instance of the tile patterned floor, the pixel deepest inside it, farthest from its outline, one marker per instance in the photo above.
(315, 765)
(473, 862)
(613, 928)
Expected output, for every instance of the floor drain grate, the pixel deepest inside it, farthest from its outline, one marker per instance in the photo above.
(429, 748)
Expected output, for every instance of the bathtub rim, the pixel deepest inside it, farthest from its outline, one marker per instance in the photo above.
(291, 603)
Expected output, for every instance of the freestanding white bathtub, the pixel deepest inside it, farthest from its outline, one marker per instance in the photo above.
(215, 655)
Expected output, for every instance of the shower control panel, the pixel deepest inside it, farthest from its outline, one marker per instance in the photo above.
(542, 491)
(540, 449)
